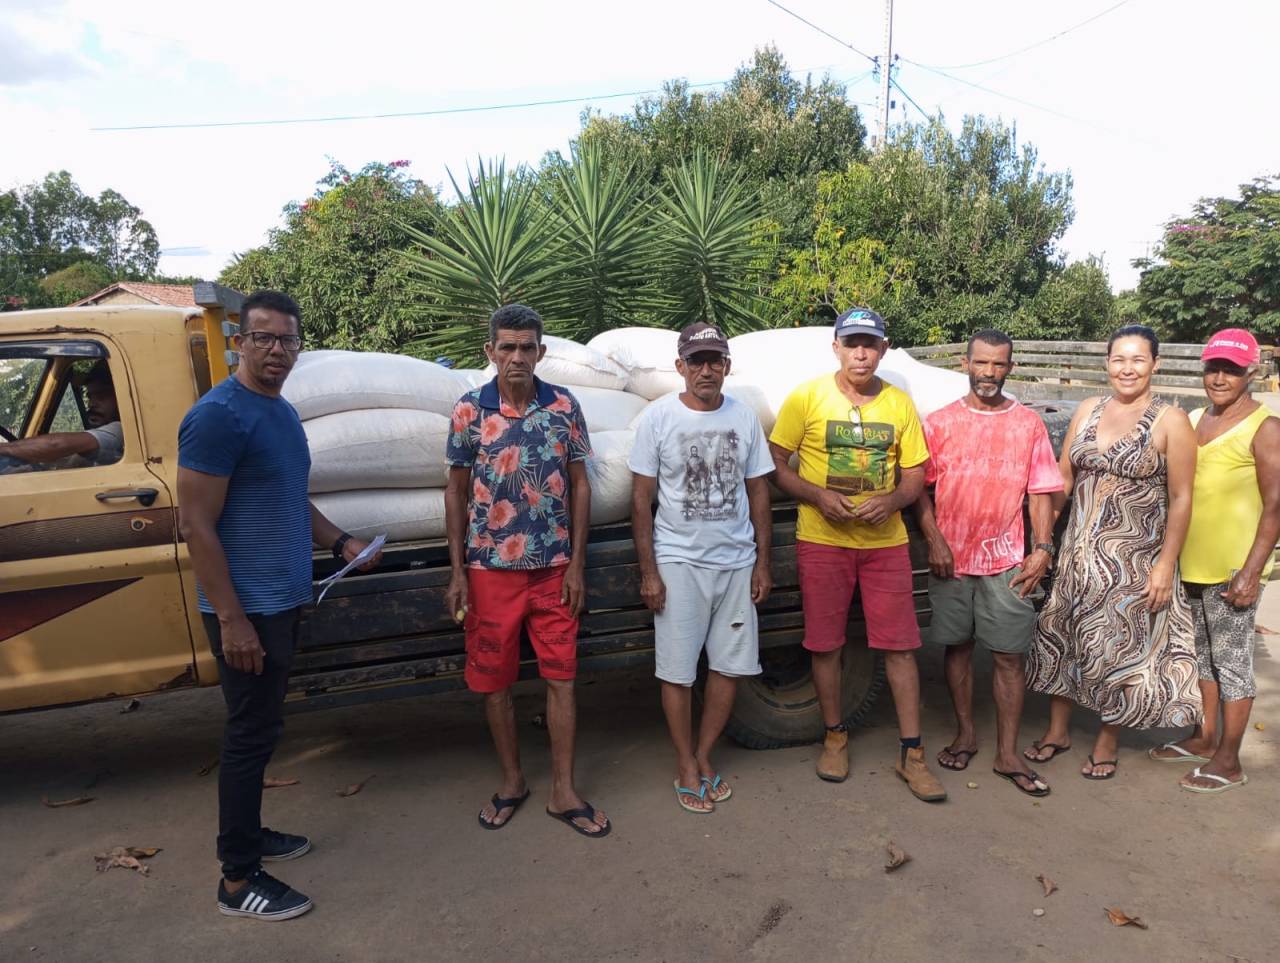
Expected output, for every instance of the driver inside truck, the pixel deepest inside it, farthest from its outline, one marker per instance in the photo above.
(101, 443)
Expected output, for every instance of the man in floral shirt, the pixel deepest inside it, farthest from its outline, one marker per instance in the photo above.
(517, 512)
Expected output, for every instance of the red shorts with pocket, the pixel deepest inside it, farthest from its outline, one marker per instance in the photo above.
(500, 604)
(828, 576)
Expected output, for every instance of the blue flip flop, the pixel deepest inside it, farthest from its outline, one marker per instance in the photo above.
(699, 794)
(713, 786)
(499, 804)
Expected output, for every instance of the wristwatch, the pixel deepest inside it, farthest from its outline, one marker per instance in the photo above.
(340, 544)
(1046, 547)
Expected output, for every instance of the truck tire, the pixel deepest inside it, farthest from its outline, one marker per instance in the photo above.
(779, 707)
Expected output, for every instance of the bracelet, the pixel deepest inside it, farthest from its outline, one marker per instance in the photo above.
(340, 544)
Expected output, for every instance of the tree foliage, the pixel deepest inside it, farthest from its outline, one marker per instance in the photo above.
(944, 233)
(1218, 267)
(339, 255)
(49, 226)
(73, 283)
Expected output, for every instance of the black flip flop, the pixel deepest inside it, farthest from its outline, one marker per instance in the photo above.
(499, 804)
(1015, 775)
(1113, 763)
(956, 754)
(586, 812)
(1038, 746)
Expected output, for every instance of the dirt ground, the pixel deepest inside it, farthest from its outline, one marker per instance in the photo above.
(791, 868)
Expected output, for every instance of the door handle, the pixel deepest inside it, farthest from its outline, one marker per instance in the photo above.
(144, 495)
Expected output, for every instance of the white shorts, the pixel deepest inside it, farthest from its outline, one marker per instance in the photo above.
(705, 607)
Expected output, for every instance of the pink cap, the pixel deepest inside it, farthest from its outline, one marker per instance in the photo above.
(1232, 344)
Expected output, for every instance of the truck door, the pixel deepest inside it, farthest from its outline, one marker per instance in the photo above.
(91, 601)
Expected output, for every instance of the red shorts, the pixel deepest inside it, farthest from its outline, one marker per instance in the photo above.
(828, 576)
(499, 605)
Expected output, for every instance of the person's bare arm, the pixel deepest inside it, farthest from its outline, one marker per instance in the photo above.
(457, 496)
(1180, 459)
(324, 533)
(653, 591)
(1037, 564)
(574, 592)
(46, 448)
(200, 501)
(877, 509)
(1244, 588)
(941, 562)
(1059, 499)
(834, 507)
(762, 525)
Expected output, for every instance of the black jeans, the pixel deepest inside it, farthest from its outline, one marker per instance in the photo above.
(255, 719)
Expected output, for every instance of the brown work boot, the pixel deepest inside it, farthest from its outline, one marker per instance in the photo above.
(915, 772)
(833, 764)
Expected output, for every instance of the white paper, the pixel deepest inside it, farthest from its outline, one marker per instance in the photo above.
(370, 550)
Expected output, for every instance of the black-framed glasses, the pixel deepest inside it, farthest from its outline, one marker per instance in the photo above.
(715, 362)
(855, 419)
(265, 340)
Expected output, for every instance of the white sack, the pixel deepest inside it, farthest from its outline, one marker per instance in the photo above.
(571, 364)
(648, 355)
(607, 409)
(929, 387)
(473, 377)
(404, 514)
(377, 448)
(354, 380)
(754, 397)
(610, 476)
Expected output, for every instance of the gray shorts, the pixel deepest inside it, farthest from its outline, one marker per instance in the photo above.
(1224, 640)
(705, 607)
(982, 608)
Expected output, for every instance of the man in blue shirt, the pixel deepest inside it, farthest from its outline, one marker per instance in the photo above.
(517, 509)
(249, 526)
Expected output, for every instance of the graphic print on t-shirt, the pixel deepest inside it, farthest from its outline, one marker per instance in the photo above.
(858, 456)
(712, 479)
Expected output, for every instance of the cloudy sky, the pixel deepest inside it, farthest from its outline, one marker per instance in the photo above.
(1151, 105)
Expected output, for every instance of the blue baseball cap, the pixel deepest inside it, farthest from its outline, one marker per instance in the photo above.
(859, 321)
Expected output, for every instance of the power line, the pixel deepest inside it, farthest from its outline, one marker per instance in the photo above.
(1031, 46)
(825, 33)
(393, 116)
(910, 99)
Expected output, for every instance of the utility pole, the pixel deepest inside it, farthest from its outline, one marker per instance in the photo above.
(886, 72)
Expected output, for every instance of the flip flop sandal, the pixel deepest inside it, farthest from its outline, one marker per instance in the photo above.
(1113, 763)
(586, 812)
(1038, 746)
(718, 788)
(1182, 754)
(499, 804)
(698, 794)
(956, 754)
(1213, 790)
(1015, 777)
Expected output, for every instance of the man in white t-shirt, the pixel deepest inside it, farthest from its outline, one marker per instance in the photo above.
(704, 556)
(101, 443)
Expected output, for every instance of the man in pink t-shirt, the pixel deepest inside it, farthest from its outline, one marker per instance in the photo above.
(986, 453)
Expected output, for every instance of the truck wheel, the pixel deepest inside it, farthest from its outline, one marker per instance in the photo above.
(779, 707)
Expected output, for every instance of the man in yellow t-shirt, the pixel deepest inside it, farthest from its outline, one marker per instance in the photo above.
(862, 455)
(1235, 522)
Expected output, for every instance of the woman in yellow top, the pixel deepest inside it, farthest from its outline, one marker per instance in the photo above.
(1228, 554)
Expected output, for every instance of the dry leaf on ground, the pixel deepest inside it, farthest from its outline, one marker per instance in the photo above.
(61, 803)
(354, 788)
(129, 706)
(897, 857)
(126, 857)
(1259, 726)
(1049, 885)
(208, 767)
(1263, 630)
(1121, 918)
(271, 782)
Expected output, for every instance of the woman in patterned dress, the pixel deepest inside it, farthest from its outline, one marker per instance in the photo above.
(1116, 635)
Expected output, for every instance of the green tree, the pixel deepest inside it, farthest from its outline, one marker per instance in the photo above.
(339, 255)
(1074, 303)
(968, 225)
(776, 132)
(75, 282)
(51, 225)
(1219, 267)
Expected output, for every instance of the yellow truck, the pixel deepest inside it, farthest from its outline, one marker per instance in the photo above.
(97, 596)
